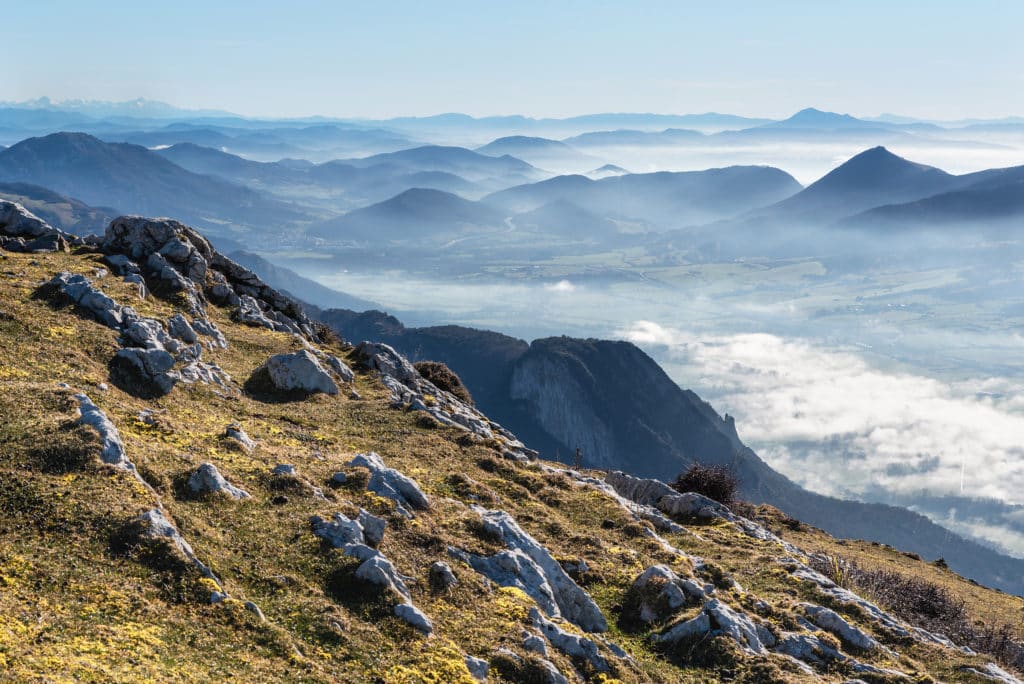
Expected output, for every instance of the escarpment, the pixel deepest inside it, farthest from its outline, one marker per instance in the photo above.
(238, 523)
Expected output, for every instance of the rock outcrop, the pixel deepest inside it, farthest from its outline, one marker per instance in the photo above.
(298, 372)
(23, 231)
(208, 480)
(530, 567)
(392, 484)
(411, 390)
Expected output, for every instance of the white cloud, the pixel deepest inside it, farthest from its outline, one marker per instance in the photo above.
(562, 286)
(834, 422)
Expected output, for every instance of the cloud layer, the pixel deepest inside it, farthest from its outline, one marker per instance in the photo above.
(839, 425)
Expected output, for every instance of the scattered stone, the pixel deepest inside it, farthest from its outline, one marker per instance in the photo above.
(831, 621)
(356, 396)
(208, 480)
(235, 432)
(572, 645)
(571, 602)
(102, 387)
(285, 469)
(112, 451)
(441, 577)
(157, 526)
(478, 668)
(178, 327)
(392, 484)
(659, 593)
(414, 616)
(535, 643)
(299, 371)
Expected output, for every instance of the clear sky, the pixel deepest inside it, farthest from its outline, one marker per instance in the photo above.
(934, 59)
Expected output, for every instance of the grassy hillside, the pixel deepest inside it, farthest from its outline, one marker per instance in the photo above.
(82, 598)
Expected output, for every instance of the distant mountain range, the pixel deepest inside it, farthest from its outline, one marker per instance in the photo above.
(665, 199)
(136, 180)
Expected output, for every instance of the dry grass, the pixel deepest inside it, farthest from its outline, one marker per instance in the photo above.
(78, 604)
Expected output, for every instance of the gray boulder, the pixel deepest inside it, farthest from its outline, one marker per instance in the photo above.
(391, 483)
(299, 371)
(208, 480)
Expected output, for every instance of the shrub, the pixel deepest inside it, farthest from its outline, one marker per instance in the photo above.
(444, 378)
(926, 605)
(716, 482)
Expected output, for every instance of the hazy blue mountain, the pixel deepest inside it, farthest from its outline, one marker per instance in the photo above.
(665, 199)
(870, 179)
(631, 138)
(564, 219)
(468, 164)
(542, 152)
(137, 180)
(606, 171)
(417, 214)
(514, 145)
(304, 289)
(983, 206)
(812, 118)
(69, 214)
(333, 184)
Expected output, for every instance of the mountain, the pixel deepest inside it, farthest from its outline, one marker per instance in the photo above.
(294, 285)
(59, 211)
(541, 152)
(417, 214)
(335, 185)
(870, 179)
(563, 218)
(628, 138)
(291, 508)
(984, 207)
(520, 145)
(137, 180)
(816, 119)
(457, 160)
(612, 401)
(606, 171)
(665, 199)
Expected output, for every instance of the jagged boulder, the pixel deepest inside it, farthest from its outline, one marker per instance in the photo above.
(657, 594)
(441, 577)
(831, 621)
(391, 483)
(298, 372)
(529, 566)
(572, 645)
(23, 231)
(208, 480)
(237, 435)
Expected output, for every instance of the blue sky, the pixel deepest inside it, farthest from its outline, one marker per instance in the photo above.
(936, 59)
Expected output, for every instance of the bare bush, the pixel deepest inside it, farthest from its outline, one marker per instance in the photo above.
(716, 482)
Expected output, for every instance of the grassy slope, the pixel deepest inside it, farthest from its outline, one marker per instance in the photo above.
(74, 607)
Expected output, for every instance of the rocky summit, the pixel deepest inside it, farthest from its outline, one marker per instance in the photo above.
(198, 482)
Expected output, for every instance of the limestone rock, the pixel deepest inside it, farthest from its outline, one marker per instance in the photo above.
(831, 621)
(208, 480)
(441, 577)
(236, 433)
(414, 616)
(574, 603)
(659, 593)
(573, 645)
(299, 371)
(112, 451)
(478, 668)
(392, 484)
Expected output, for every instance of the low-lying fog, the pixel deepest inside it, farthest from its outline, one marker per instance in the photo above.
(874, 375)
